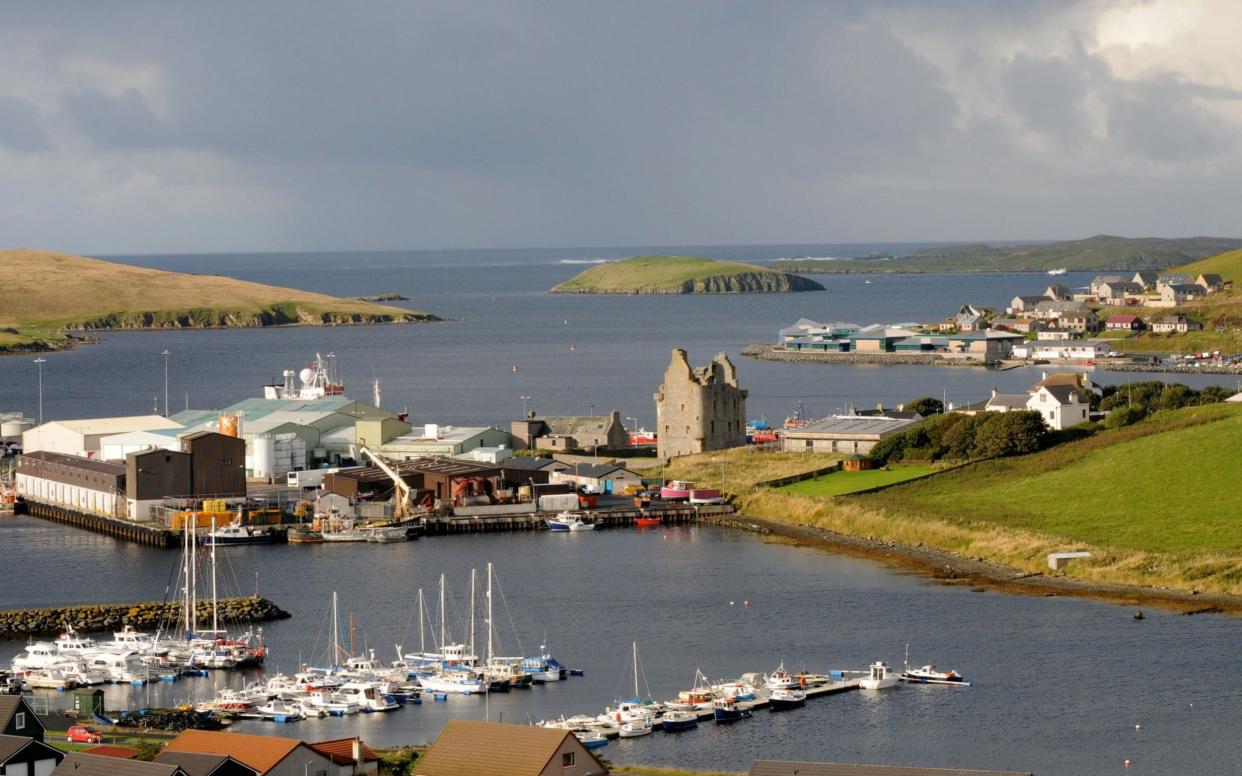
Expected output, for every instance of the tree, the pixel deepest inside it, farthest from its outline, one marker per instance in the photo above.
(1010, 433)
(926, 406)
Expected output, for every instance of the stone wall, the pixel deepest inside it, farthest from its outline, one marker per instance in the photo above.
(101, 618)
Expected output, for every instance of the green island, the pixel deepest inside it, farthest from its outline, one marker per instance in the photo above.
(1145, 499)
(682, 275)
(45, 297)
(1101, 252)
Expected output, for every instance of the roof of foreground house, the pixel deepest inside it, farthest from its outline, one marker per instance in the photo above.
(259, 752)
(471, 748)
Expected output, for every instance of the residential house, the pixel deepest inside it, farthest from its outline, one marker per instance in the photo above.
(1210, 283)
(968, 322)
(1059, 293)
(1145, 278)
(18, 719)
(1124, 323)
(842, 434)
(1050, 310)
(1025, 304)
(350, 755)
(1063, 399)
(267, 755)
(1174, 279)
(1023, 325)
(1054, 335)
(1080, 322)
(570, 432)
(1119, 292)
(493, 749)
(1175, 293)
(20, 756)
(1179, 324)
(597, 477)
(205, 764)
(86, 764)
(789, 768)
(1099, 281)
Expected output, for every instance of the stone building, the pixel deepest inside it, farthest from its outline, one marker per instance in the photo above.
(699, 409)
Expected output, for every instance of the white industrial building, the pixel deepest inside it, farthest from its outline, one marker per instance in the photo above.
(84, 437)
(86, 485)
(117, 446)
(447, 441)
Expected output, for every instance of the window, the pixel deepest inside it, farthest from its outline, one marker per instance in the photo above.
(567, 760)
(19, 720)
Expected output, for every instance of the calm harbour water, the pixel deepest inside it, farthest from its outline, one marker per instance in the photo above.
(1060, 684)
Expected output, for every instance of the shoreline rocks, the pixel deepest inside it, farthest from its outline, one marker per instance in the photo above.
(99, 618)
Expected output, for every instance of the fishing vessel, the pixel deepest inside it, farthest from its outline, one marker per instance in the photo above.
(706, 496)
(568, 521)
(590, 740)
(236, 533)
(698, 698)
(929, 675)
(304, 536)
(677, 719)
(647, 522)
(784, 698)
(637, 727)
(727, 710)
(779, 679)
(676, 490)
(879, 677)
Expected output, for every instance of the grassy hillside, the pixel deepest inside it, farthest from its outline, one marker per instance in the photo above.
(1150, 501)
(1228, 265)
(45, 294)
(681, 275)
(1102, 252)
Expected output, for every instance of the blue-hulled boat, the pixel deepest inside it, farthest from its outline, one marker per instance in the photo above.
(673, 721)
(727, 710)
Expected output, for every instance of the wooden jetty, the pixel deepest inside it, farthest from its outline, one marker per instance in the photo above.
(534, 521)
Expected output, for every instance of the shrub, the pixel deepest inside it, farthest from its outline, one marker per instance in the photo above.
(926, 406)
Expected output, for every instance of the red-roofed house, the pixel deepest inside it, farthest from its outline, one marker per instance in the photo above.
(1124, 323)
(350, 754)
(107, 750)
(268, 755)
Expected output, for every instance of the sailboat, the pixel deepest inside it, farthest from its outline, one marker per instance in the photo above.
(213, 648)
(453, 672)
(633, 717)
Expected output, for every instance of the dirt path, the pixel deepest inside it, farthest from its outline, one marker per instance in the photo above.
(953, 569)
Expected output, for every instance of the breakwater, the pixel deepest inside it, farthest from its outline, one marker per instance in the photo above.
(1223, 369)
(97, 618)
(777, 353)
(109, 526)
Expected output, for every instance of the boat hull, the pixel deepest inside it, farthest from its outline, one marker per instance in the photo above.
(723, 716)
(786, 704)
(672, 726)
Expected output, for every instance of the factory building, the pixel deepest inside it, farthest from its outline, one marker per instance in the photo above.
(118, 446)
(151, 475)
(436, 440)
(97, 487)
(84, 437)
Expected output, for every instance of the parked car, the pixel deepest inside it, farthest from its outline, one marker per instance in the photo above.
(81, 734)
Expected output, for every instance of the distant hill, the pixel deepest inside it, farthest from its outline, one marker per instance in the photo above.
(1102, 252)
(45, 294)
(1228, 265)
(682, 275)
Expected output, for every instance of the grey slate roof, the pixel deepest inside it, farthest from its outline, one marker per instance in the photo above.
(787, 768)
(1012, 401)
(573, 425)
(853, 424)
(195, 764)
(11, 745)
(8, 705)
(82, 764)
(527, 462)
(594, 470)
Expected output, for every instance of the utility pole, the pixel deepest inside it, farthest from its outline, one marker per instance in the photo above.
(39, 362)
(166, 354)
(524, 399)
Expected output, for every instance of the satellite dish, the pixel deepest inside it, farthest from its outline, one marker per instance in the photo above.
(307, 375)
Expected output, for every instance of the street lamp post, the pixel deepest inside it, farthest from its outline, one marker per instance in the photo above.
(166, 354)
(39, 362)
(524, 399)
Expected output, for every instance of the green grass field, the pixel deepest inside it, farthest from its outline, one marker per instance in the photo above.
(842, 483)
(1165, 485)
(681, 275)
(1228, 265)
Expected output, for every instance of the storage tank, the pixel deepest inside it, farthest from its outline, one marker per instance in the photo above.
(230, 425)
(12, 430)
(264, 456)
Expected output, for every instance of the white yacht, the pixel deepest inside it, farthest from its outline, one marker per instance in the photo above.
(281, 710)
(370, 696)
(70, 643)
(40, 654)
(334, 703)
(121, 667)
(462, 682)
(879, 677)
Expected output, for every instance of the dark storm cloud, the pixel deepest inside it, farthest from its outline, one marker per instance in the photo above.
(399, 124)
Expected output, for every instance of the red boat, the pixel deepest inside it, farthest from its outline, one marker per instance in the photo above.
(647, 522)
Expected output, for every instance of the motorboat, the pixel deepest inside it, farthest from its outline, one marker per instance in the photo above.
(370, 696)
(637, 727)
(784, 698)
(647, 522)
(1058, 271)
(805, 679)
(676, 719)
(121, 667)
(676, 490)
(303, 536)
(701, 496)
(699, 697)
(740, 690)
(780, 679)
(40, 654)
(461, 682)
(229, 701)
(590, 739)
(280, 710)
(879, 677)
(70, 643)
(727, 710)
(333, 704)
(568, 521)
(236, 533)
(387, 534)
(48, 678)
(929, 675)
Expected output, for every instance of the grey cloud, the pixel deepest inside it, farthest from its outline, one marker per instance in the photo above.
(1049, 93)
(20, 129)
(125, 121)
(1162, 120)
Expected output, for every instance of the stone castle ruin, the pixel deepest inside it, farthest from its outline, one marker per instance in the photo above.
(698, 410)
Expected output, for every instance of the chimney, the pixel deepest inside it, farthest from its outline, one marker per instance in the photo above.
(994, 391)
(356, 747)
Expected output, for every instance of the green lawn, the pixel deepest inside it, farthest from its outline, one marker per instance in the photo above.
(1169, 484)
(841, 483)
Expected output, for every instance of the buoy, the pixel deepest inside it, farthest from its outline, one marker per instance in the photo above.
(730, 603)
(515, 367)
(1127, 763)
(571, 347)
(1138, 727)
(1139, 615)
(746, 602)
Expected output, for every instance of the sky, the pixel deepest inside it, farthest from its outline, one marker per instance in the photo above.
(149, 127)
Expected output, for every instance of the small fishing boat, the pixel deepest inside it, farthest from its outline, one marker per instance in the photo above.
(1058, 271)
(647, 522)
(740, 690)
(697, 698)
(929, 675)
(784, 698)
(236, 533)
(677, 490)
(370, 696)
(637, 727)
(879, 677)
(675, 719)
(334, 704)
(706, 496)
(279, 710)
(590, 740)
(387, 534)
(568, 521)
(780, 679)
(727, 710)
(304, 536)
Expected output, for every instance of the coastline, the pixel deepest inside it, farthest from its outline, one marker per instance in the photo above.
(951, 568)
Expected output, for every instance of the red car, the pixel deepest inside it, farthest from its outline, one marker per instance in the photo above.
(81, 734)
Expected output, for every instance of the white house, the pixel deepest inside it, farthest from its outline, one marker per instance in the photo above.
(1062, 399)
(1068, 349)
(597, 477)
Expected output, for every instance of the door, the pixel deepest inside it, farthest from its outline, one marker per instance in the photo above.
(607, 486)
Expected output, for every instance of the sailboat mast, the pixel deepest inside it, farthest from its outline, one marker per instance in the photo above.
(489, 614)
(443, 630)
(635, 669)
(473, 597)
(215, 604)
(422, 636)
(185, 575)
(194, 575)
(336, 636)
